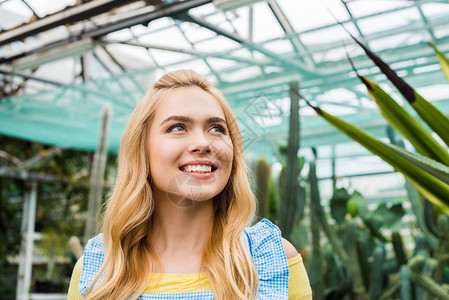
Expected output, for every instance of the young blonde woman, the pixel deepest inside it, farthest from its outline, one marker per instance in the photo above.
(177, 223)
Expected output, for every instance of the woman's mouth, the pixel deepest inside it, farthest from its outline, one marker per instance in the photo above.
(200, 169)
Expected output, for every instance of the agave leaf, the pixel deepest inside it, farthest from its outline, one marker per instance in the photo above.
(433, 117)
(434, 189)
(431, 166)
(444, 61)
(406, 124)
(428, 112)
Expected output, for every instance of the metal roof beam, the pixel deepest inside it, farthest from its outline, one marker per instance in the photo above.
(351, 20)
(125, 20)
(30, 77)
(67, 16)
(287, 64)
(288, 28)
(194, 52)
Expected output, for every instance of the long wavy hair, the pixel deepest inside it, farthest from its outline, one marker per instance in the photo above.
(127, 221)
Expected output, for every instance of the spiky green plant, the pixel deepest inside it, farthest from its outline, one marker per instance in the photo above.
(428, 171)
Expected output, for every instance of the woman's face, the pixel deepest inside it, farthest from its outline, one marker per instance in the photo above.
(189, 147)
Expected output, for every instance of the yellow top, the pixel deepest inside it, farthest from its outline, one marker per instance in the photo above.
(298, 282)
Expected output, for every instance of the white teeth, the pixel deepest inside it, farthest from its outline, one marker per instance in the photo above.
(197, 168)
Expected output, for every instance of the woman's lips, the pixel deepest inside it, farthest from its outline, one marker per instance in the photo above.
(200, 175)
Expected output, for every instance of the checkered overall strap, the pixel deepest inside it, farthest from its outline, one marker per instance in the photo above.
(265, 245)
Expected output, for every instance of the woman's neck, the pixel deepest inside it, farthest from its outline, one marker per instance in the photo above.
(179, 233)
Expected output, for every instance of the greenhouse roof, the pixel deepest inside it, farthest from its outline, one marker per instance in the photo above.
(62, 61)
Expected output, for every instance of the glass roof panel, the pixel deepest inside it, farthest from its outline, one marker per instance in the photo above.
(305, 15)
(441, 31)
(196, 33)
(197, 64)
(238, 75)
(432, 9)
(13, 13)
(121, 35)
(159, 38)
(392, 42)
(265, 24)
(280, 46)
(240, 20)
(405, 17)
(217, 44)
(47, 7)
(131, 57)
(166, 57)
(368, 7)
(219, 64)
(328, 35)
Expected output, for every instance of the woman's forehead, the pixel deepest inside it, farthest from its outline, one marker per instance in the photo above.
(189, 101)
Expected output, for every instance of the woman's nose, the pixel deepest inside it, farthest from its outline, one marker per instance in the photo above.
(200, 143)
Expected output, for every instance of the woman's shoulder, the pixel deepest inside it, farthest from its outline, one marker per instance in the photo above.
(266, 236)
(289, 249)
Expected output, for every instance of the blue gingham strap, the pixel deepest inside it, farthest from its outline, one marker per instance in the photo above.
(265, 245)
(92, 262)
(199, 295)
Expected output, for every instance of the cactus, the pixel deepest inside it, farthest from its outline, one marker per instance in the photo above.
(416, 265)
(262, 187)
(290, 180)
(273, 202)
(363, 260)
(373, 229)
(318, 210)
(406, 284)
(375, 287)
(315, 267)
(429, 217)
(355, 268)
(338, 205)
(398, 247)
(441, 254)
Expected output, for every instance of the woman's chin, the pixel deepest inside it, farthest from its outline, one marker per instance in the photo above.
(190, 199)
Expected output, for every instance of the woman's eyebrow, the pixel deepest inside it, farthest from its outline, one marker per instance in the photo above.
(215, 120)
(177, 118)
(190, 120)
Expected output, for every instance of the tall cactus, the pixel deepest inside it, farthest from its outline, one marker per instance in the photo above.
(289, 187)
(262, 187)
(319, 211)
(315, 265)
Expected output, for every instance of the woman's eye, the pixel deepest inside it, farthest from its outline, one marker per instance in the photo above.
(176, 128)
(218, 128)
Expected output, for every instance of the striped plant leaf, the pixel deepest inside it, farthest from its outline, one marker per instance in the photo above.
(444, 61)
(406, 124)
(433, 117)
(431, 166)
(428, 112)
(432, 188)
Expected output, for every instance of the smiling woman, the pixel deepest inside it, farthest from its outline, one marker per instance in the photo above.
(177, 223)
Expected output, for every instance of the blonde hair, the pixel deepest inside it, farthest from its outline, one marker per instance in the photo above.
(129, 257)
